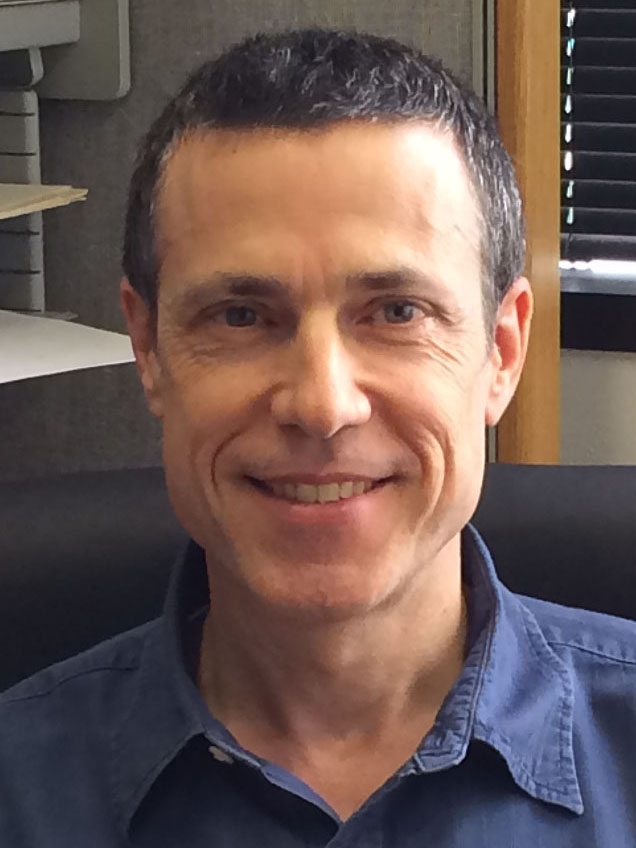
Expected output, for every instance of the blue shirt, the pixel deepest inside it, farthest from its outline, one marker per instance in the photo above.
(535, 745)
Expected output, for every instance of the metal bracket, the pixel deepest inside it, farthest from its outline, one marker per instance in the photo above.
(21, 68)
(21, 253)
(38, 23)
(97, 67)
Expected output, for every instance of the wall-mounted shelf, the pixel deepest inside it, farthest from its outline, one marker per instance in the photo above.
(38, 23)
(18, 200)
(55, 49)
(81, 49)
(32, 346)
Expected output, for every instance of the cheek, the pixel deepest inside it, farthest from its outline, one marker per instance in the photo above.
(199, 420)
(437, 406)
(441, 420)
(198, 411)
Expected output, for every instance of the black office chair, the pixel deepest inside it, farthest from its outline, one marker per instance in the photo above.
(85, 556)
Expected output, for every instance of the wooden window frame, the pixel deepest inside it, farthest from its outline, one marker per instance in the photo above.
(528, 110)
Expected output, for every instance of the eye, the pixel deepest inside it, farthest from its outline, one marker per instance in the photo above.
(396, 312)
(238, 316)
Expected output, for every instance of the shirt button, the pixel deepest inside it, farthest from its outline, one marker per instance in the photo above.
(220, 755)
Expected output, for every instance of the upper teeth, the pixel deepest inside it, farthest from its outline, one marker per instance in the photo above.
(307, 493)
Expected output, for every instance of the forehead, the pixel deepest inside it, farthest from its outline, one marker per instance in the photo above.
(350, 194)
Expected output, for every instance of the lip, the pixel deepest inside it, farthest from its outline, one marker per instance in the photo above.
(355, 509)
(319, 479)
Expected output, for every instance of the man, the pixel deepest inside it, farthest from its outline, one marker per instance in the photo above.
(324, 249)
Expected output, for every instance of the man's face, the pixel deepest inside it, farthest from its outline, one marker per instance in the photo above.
(321, 364)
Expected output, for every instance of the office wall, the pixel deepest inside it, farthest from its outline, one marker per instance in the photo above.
(96, 419)
(598, 408)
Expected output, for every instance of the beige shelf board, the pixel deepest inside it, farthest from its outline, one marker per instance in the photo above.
(31, 346)
(25, 2)
(18, 200)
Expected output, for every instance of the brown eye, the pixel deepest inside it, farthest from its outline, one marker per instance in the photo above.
(239, 316)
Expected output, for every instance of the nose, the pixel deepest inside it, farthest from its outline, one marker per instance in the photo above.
(318, 390)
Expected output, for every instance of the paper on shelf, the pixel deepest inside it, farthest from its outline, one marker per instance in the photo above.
(23, 199)
(33, 347)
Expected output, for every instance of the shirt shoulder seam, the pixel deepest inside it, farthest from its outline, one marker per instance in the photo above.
(606, 655)
(57, 683)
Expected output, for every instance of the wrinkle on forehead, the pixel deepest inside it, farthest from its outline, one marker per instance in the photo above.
(312, 184)
(383, 146)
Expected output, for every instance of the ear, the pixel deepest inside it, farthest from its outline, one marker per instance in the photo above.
(510, 343)
(142, 331)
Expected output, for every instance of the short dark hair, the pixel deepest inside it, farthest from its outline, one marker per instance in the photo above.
(312, 78)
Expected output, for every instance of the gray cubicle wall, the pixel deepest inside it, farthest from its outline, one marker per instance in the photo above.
(96, 419)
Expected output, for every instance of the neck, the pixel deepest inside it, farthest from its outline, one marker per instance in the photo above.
(303, 683)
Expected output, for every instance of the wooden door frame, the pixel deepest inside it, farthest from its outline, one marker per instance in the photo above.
(527, 75)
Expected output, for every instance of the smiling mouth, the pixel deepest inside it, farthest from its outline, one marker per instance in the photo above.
(308, 493)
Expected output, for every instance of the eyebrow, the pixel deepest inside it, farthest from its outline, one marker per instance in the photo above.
(395, 278)
(198, 295)
(409, 280)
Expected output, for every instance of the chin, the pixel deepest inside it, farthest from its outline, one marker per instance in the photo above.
(324, 591)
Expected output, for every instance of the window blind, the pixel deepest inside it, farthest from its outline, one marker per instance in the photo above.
(598, 171)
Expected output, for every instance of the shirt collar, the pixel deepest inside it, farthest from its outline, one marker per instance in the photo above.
(166, 712)
(161, 719)
(514, 693)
